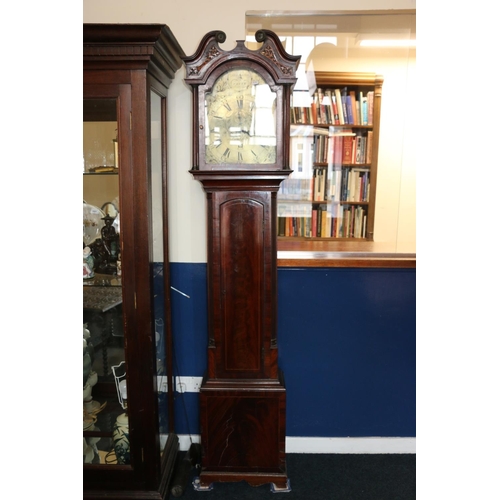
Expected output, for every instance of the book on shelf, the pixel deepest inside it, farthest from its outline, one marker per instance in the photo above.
(360, 145)
(347, 147)
(370, 98)
(354, 107)
(360, 108)
(333, 107)
(328, 109)
(343, 94)
(331, 149)
(340, 110)
(337, 149)
(344, 223)
(319, 221)
(364, 110)
(322, 108)
(369, 146)
(316, 107)
(335, 186)
(305, 114)
(281, 226)
(348, 103)
(326, 224)
(319, 184)
(314, 222)
(358, 158)
(314, 111)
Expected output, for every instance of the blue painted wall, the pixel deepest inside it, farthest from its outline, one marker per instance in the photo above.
(346, 340)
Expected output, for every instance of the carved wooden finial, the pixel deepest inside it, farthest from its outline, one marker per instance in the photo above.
(271, 55)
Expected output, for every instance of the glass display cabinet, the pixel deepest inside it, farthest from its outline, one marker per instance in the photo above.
(129, 443)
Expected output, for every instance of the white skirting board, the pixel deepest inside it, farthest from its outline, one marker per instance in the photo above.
(351, 445)
(330, 445)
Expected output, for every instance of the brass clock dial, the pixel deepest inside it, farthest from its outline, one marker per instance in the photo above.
(240, 118)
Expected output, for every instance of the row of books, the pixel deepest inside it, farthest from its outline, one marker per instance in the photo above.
(336, 107)
(346, 222)
(351, 185)
(346, 184)
(348, 148)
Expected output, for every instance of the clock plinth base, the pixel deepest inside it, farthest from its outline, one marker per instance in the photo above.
(243, 432)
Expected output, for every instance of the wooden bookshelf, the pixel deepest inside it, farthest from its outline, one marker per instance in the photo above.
(334, 155)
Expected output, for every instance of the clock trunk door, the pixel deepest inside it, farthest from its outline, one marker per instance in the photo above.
(242, 276)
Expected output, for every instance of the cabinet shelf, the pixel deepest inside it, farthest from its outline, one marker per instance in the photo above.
(100, 173)
(367, 203)
(343, 165)
(303, 238)
(324, 202)
(331, 125)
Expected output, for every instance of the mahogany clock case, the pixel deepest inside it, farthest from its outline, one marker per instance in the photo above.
(243, 395)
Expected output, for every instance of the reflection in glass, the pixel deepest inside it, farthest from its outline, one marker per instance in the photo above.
(380, 42)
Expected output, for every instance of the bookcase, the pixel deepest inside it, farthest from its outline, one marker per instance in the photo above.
(334, 136)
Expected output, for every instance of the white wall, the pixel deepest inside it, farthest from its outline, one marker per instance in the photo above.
(189, 22)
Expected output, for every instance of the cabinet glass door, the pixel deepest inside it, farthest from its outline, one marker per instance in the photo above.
(105, 422)
(161, 283)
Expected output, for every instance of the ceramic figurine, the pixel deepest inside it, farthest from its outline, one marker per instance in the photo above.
(109, 236)
(121, 442)
(88, 263)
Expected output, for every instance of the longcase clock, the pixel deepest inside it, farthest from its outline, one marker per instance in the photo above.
(240, 154)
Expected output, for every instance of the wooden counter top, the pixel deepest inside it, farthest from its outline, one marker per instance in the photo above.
(342, 253)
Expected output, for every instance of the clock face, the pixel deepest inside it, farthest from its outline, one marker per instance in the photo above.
(240, 117)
